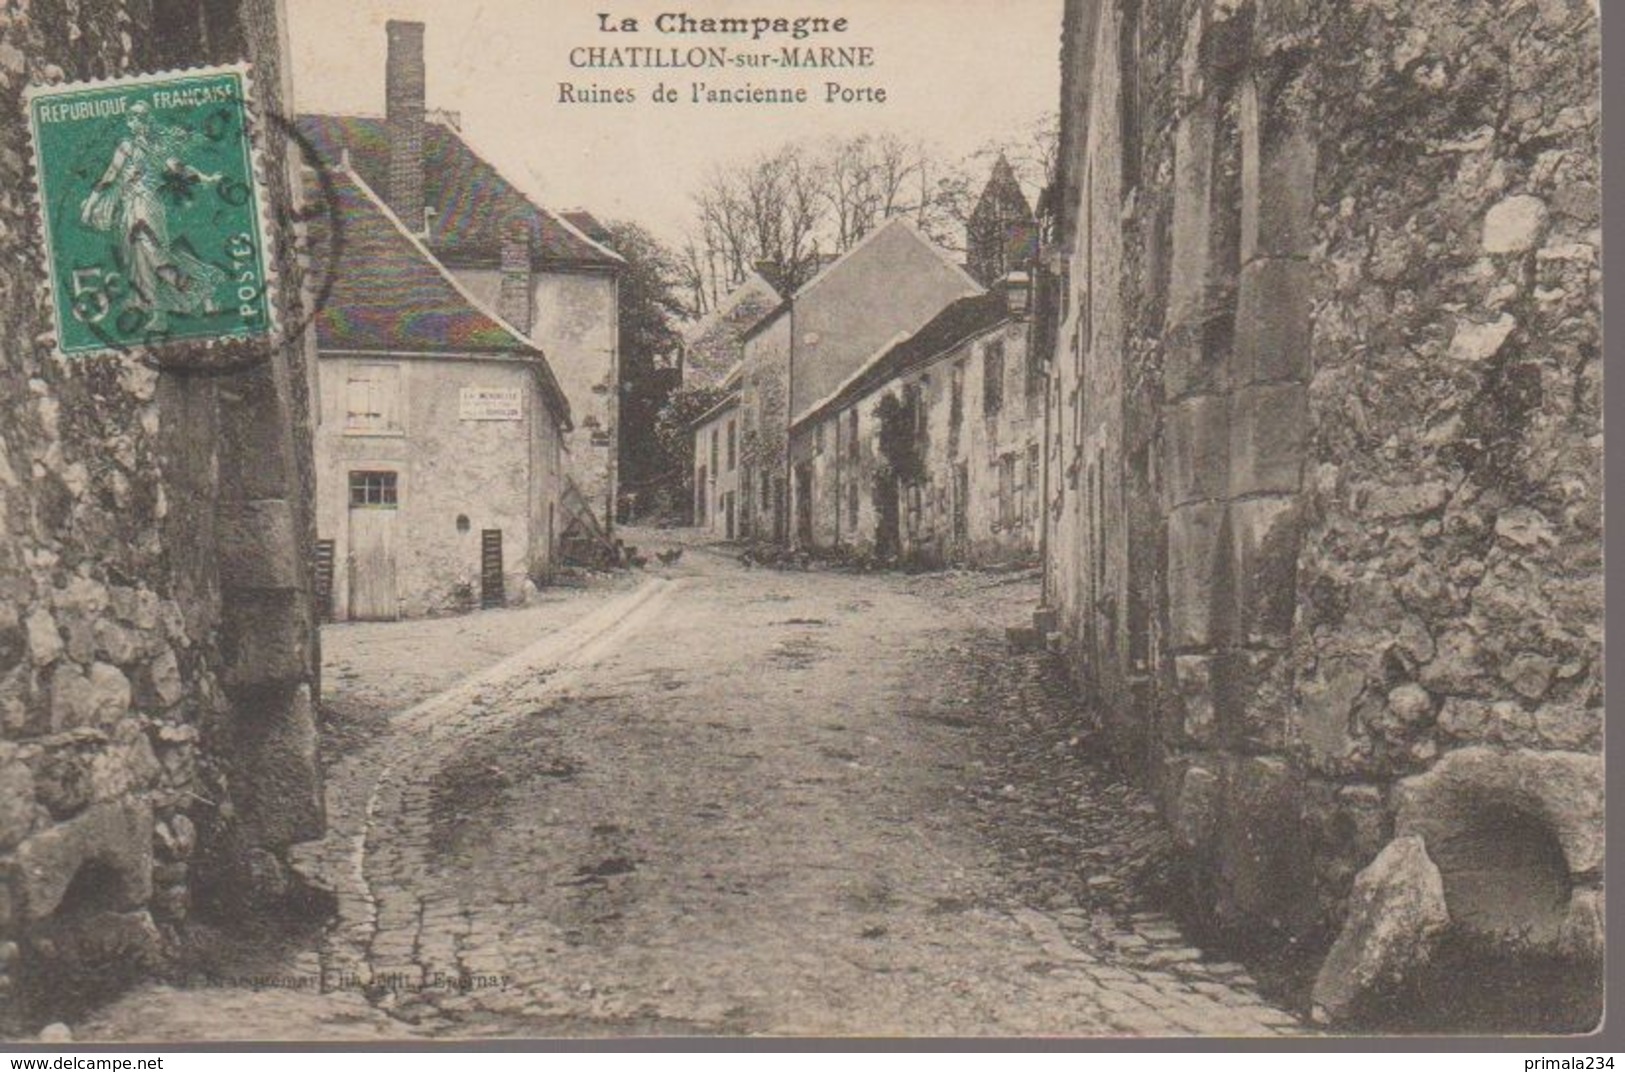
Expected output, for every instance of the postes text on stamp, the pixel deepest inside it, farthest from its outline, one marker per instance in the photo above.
(152, 217)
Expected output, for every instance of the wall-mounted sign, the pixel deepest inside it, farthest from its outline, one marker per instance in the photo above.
(490, 404)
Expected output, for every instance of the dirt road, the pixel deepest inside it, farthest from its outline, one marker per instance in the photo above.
(737, 800)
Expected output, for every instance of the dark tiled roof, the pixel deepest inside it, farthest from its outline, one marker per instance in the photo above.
(725, 403)
(766, 321)
(587, 224)
(388, 294)
(959, 320)
(470, 198)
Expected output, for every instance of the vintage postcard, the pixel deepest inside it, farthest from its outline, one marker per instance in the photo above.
(542, 519)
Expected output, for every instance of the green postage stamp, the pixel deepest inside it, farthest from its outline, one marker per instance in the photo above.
(151, 212)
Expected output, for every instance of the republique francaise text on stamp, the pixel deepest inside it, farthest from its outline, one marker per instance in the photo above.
(150, 210)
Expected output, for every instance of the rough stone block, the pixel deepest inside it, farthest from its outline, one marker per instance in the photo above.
(259, 545)
(1193, 574)
(1515, 224)
(116, 835)
(1188, 367)
(1253, 698)
(1197, 441)
(63, 781)
(275, 774)
(1582, 935)
(254, 430)
(1396, 913)
(1475, 342)
(16, 803)
(1265, 535)
(1191, 230)
(1268, 429)
(1471, 786)
(95, 949)
(1569, 725)
(159, 684)
(1278, 186)
(1196, 808)
(1325, 712)
(1280, 22)
(265, 639)
(1263, 863)
(1365, 820)
(79, 699)
(1455, 668)
(1272, 323)
(114, 642)
(1194, 676)
(44, 641)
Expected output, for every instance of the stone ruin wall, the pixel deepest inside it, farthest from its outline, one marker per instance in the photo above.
(157, 652)
(1357, 308)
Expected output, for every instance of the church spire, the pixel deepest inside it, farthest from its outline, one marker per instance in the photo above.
(1002, 235)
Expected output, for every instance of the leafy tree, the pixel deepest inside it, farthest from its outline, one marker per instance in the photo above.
(649, 311)
(674, 439)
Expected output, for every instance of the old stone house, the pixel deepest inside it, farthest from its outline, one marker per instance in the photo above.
(716, 466)
(1324, 405)
(930, 452)
(892, 281)
(535, 268)
(158, 652)
(440, 429)
(713, 346)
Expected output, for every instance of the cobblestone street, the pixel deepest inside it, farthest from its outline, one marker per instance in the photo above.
(734, 801)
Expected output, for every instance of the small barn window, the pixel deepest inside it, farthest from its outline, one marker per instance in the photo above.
(373, 489)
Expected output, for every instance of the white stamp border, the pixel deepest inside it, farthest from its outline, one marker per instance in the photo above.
(224, 346)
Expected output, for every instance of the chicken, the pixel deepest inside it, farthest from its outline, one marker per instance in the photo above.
(669, 556)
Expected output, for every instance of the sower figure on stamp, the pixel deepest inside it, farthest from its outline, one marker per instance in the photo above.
(165, 277)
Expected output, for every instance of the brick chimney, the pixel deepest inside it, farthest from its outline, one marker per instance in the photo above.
(513, 299)
(403, 114)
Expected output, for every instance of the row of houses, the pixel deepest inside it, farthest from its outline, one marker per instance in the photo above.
(1300, 407)
(467, 343)
(889, 406)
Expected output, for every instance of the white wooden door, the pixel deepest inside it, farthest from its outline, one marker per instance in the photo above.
(372, 547)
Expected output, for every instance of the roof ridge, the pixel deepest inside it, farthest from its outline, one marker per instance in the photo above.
(445, 274)
(905, 338)
(558, 217)
(894, 221)
(870, 362)
(552, 387)
(730, 302)
(462, 169)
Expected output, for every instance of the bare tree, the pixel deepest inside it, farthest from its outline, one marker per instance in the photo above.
(784, 208)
